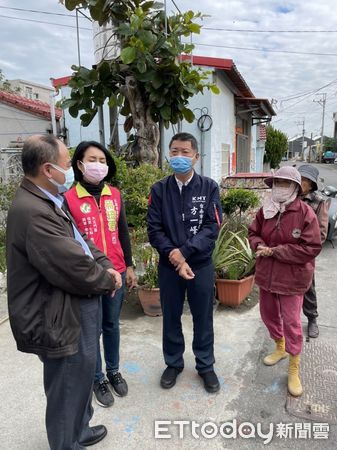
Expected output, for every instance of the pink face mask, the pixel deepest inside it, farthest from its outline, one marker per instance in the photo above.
(95, 172)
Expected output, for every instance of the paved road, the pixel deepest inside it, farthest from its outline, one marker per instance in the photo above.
(249, 391)
(326, 171)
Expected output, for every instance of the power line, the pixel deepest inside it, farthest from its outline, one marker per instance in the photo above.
(255, 49)
(176, 6)
(307, 96)
(230, 30)
(294, 96)
(38, 11)
(83, 15)
(42, 21)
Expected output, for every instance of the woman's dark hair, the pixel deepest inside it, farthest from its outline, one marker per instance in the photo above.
(79, 155)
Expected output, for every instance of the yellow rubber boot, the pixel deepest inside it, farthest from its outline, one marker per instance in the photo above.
(278, 354)
(294, 382)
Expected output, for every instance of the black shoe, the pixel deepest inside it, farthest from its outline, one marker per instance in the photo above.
(103, 395)
(93, 435)
(118, 383)
(169, 377)
(313, 330)
(211, 382)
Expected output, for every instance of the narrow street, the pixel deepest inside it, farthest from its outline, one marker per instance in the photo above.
(326, 171)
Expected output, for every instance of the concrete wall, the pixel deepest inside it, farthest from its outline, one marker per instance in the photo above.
(253, 153)
(199, 104)
(223, 130)
(220, 138)
(16, 124)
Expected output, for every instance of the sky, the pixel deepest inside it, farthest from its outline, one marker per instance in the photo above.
(292, 69)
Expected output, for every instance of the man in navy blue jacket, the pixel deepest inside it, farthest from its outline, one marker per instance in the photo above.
(183, 223)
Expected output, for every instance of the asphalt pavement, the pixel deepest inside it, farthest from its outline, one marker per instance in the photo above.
(250, 392)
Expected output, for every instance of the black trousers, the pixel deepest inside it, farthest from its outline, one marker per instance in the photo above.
(310, 302)
(68, 384)
(200, 298)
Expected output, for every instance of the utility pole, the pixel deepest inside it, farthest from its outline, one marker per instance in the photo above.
(322, 102)
(303, 131)
(107, 47)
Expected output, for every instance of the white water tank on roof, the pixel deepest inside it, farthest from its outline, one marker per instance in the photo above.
(106, 44)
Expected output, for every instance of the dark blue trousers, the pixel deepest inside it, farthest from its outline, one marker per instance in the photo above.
(200, 292)
(68, 384)
(109, 318)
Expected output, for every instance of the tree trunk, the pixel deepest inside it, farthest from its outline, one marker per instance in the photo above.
(147, 129)
(114, 132)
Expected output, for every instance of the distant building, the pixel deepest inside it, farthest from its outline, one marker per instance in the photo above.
(21, 117)
(297, 145)
(30, 90)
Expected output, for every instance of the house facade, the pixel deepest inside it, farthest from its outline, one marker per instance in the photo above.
(228, 126)
(299, 145)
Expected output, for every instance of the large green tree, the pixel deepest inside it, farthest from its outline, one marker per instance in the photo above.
(330, 144)
(276, 146)
(148, 80)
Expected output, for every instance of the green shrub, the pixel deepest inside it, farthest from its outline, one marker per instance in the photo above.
(135, 185)
(150, 277)
(237, 201)
(7, 192)
(2, 258)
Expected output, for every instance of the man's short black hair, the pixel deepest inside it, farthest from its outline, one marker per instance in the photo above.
(79, 155)
(185, 137)
(38, 150)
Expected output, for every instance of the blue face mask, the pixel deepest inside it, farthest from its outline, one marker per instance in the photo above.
(181, 164)
(69, 179)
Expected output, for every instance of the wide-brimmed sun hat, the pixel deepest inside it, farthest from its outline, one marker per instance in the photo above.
(285, 173)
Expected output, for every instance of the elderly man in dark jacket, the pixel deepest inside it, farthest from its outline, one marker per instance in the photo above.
(55, 277)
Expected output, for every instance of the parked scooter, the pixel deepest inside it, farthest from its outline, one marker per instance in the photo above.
(329, 191)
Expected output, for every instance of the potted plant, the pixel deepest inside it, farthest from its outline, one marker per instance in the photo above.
(146, 262)
(234, 264)
(148, 291)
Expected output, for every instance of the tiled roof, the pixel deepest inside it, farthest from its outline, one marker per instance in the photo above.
(35, 107)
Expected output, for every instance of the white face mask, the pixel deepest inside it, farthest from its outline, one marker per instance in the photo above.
(69, 179)
(282, 194)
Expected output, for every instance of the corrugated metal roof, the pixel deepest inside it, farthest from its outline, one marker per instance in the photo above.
(260, 106)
